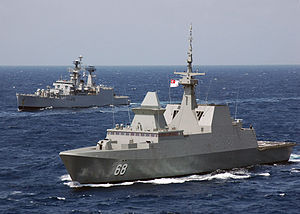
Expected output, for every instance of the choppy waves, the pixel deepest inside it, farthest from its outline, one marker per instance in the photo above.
(31, 141)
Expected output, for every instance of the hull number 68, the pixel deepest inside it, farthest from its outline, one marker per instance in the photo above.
(121, 169)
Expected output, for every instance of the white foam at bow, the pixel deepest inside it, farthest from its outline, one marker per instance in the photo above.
(264, 174)
(241, 174)
(66, 177)
(294, 158)
(74, 184)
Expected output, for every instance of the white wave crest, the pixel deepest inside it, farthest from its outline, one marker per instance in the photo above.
(74, 184)
(65, 177)
(264, 174)
(207, 177)
(61, 198)
(164, 181)
(240, 174)
(294, 158)
(16, 192)
(228, 175)
(295, 170)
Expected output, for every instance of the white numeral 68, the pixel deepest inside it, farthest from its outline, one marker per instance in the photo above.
(121, 169)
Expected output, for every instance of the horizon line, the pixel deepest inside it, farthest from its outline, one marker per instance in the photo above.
(154, 65)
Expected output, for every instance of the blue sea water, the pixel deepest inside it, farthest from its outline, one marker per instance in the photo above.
(34, 180)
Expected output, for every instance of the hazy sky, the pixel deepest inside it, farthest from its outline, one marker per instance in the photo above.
(153, 32)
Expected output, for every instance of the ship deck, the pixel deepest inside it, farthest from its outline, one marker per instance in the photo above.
(263, 145)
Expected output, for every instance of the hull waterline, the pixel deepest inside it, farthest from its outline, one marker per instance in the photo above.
(85, 169)
(33, 103)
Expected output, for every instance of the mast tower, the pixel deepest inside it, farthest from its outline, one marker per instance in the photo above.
(187, 79)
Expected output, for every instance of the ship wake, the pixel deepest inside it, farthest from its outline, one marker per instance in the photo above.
(294, 158)
(217, 175)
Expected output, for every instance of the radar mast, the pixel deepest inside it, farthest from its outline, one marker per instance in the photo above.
(190, 52)
(75, 73)
(187, 78)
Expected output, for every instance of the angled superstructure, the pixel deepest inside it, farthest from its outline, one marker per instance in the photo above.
(72, 93)
(180, 140)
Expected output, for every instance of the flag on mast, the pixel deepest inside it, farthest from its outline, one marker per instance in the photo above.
(174, 83)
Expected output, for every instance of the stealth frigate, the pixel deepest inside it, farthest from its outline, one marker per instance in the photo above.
(78, 92)
(182, 139)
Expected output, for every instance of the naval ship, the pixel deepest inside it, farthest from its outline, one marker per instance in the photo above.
(72, 93)
(179, 140)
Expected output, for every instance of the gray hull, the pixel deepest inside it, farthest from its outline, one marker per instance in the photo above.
(99, 168)
(31, 102)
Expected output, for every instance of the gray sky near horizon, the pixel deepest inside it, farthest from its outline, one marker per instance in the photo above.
(140, 32)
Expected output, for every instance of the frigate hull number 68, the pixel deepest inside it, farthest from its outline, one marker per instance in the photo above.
(121, 169)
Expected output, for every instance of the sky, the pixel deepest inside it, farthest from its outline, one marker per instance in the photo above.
(140, 32)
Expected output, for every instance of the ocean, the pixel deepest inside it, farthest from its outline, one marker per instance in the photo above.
(34, 180)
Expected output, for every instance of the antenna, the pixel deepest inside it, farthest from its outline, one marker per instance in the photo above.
(189, 74)
(208, 91)
(129, 118)
(206, 98)
(190, 51)
(168, 78)
(236, 102)
(113, 110)
(169, 92)
(113, 115)
(157, 125)
(187, 78)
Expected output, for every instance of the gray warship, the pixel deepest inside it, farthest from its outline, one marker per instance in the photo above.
(179, 140)
(73, 93)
